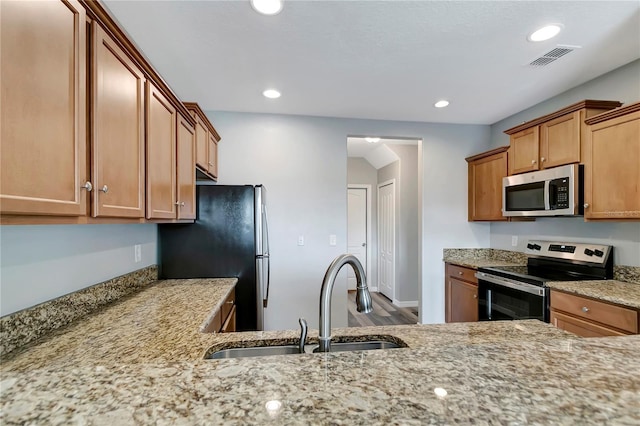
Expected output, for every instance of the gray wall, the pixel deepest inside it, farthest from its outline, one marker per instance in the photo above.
(407, 280)
(622, 84)
(360, 171)
(303, 162)
(39, 263)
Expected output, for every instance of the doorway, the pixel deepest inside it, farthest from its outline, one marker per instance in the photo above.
(387, 238)
(359, 229)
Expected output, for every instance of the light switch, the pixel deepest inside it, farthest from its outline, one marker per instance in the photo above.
(300, 240)
(332, 240)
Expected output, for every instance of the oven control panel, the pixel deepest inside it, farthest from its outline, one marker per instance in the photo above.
(583, 252)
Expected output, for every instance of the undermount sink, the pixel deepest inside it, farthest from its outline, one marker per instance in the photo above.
(266, 349)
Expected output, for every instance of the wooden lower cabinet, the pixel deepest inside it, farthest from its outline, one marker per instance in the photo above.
(591, 318)
(461, 294)
(224, 320)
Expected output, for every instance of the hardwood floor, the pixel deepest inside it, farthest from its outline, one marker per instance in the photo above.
(384, 312)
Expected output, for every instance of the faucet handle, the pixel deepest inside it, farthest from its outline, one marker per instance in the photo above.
(303, 334)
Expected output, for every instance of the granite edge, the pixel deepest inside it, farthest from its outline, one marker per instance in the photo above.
(22, 327)
(204, 327)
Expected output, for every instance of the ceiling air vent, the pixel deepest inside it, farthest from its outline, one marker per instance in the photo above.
(552, 55)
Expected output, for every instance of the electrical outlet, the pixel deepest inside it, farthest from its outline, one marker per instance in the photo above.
(514, 240)
(332, 240)
(300, 240)
(137, 253)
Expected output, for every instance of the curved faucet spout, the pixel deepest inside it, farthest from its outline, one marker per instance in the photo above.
(363, 298)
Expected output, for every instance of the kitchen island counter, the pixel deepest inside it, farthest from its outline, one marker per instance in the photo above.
(100, 372)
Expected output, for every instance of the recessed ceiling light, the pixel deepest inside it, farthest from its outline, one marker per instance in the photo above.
(267, 7)
(545, 33)
(271, 94)
(372, 139)
(441, 104)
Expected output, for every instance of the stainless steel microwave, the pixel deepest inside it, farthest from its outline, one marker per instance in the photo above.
(550, 192)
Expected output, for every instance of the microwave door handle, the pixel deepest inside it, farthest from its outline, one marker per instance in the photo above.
(547, 195)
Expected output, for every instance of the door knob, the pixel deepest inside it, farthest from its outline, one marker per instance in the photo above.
(87, 185)
(364, 244)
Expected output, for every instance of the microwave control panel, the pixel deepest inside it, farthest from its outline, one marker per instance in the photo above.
(559, 189)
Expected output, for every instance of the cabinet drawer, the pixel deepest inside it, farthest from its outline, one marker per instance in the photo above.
(592, 310)
(228, 305)
(462, 273)
(581, 327)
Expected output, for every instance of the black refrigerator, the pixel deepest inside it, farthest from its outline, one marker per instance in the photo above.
(228, 239)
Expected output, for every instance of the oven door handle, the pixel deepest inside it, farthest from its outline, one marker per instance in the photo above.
(528, 288)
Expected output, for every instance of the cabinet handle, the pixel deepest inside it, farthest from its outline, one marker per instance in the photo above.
(104, 189)
(475, 296)
(182, 204)
(585, 309)
(177, 203)
(543, 159)
(87, 185)
(211, 164)
(586, 205)
(533, 161)
(460, 272)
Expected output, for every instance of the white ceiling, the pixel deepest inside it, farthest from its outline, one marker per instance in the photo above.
(386, 60)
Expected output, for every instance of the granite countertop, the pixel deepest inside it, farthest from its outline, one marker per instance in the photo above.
(482, 258)
(622, 293)
(140, 361)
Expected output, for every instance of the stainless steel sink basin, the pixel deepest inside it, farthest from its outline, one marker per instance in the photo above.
(361, 346)
(266, 349)
(255, 351)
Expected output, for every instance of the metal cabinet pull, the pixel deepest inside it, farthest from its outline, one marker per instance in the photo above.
(104, 189)
(585, 309)
(87, 185)
(533, 161)
(543, 159)
(586, 205)
(179, 203)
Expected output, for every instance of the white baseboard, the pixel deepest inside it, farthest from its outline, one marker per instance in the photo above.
(407, 304)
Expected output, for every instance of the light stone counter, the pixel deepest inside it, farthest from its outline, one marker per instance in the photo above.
(622, 293)
(482, 258)
(139, 361)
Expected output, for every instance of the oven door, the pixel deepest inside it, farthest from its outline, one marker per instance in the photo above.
(506, 299)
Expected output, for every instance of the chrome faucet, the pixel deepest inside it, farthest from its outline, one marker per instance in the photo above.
(363, 298)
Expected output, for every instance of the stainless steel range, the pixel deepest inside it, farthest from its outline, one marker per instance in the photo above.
(520, 292)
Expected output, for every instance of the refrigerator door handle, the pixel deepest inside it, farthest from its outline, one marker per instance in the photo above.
(265, 301)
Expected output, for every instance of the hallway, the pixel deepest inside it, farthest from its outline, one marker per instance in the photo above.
(384, 312)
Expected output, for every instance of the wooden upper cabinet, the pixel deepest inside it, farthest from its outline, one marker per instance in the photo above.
(43, 138)
(553, 140)
(560, 141)
(202, 142)
(213, 156)
(206, 142)
(118, 156)
(161, 155)
(486, 171)
(524, 151)
(612, 165)
(186, 173)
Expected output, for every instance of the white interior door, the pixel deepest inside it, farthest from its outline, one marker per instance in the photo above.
(386, 238)
(356, 230)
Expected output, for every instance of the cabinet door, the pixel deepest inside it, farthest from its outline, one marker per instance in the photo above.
(118, 130)
(161, 155)
(202, 144)
(612, 174)
(213, 156)
(186, 172)
(462, 301)
(485, 187)
(43, 138)
(524, 151)
(560, 141)
(580, 327)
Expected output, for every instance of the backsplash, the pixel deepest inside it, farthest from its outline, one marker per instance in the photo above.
(20, 328)
(629, 274)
